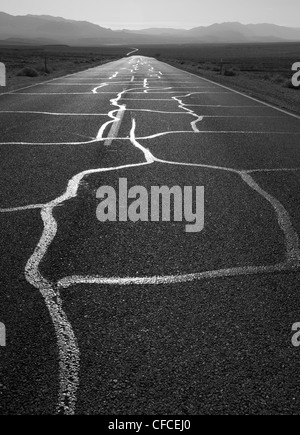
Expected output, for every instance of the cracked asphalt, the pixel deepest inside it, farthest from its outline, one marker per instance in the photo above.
(124, 318)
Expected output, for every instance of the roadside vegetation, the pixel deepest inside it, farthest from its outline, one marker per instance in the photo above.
(29, 65)
(263, 71)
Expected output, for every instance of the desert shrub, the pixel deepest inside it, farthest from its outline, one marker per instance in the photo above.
(215, 69)
(278, 79)
(42, 70)
(28, 72)
(207, 66)
(266, 77)
(229, 73)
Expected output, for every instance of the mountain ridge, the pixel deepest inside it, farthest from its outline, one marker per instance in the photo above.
(71, 32)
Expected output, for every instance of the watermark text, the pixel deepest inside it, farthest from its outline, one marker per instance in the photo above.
(2, 74)
(296, 76)
(2, 335)
(296, 336)
(161, 204)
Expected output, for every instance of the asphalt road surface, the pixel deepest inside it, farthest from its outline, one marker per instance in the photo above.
(145, 318)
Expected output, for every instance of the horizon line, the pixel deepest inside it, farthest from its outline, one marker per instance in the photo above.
(175, 26)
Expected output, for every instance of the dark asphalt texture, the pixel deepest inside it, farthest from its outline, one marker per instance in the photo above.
(214, 346)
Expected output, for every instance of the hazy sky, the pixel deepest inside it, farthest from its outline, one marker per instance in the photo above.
(156, 13)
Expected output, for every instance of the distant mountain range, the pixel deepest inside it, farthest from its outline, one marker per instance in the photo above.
(44, 29)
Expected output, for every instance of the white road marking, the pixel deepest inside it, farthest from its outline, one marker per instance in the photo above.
(146, 85)
(116, 120)
(95, 90)
(113, 76)
(131, 52)
(113, 133)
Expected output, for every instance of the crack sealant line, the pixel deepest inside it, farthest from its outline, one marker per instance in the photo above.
(115, 128)
(33, 112)
(90, 142)
(174, 279)
(156, 111)
(291, 239)
(284, 220)
(73, 185)
(149, 99)
(156, 135)
(148, 155)
(113, 76)
(78, 84)
(227, 107)
(69, 354)
(125, 82)
(250, 171)
(116, 120)
(103, 85)
(197, 165)
(52, 143)
(63, 93)
(191, 112)
(159, 91)
(131, 52)
(24, 208)
(283, 217)
(202, 132)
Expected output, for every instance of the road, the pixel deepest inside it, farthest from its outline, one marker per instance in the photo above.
(145, 318)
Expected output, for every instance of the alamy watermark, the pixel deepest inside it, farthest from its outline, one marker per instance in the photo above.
(296, 336)
(2, 335)
(2, 74)
(296, 76)
(136, 204)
